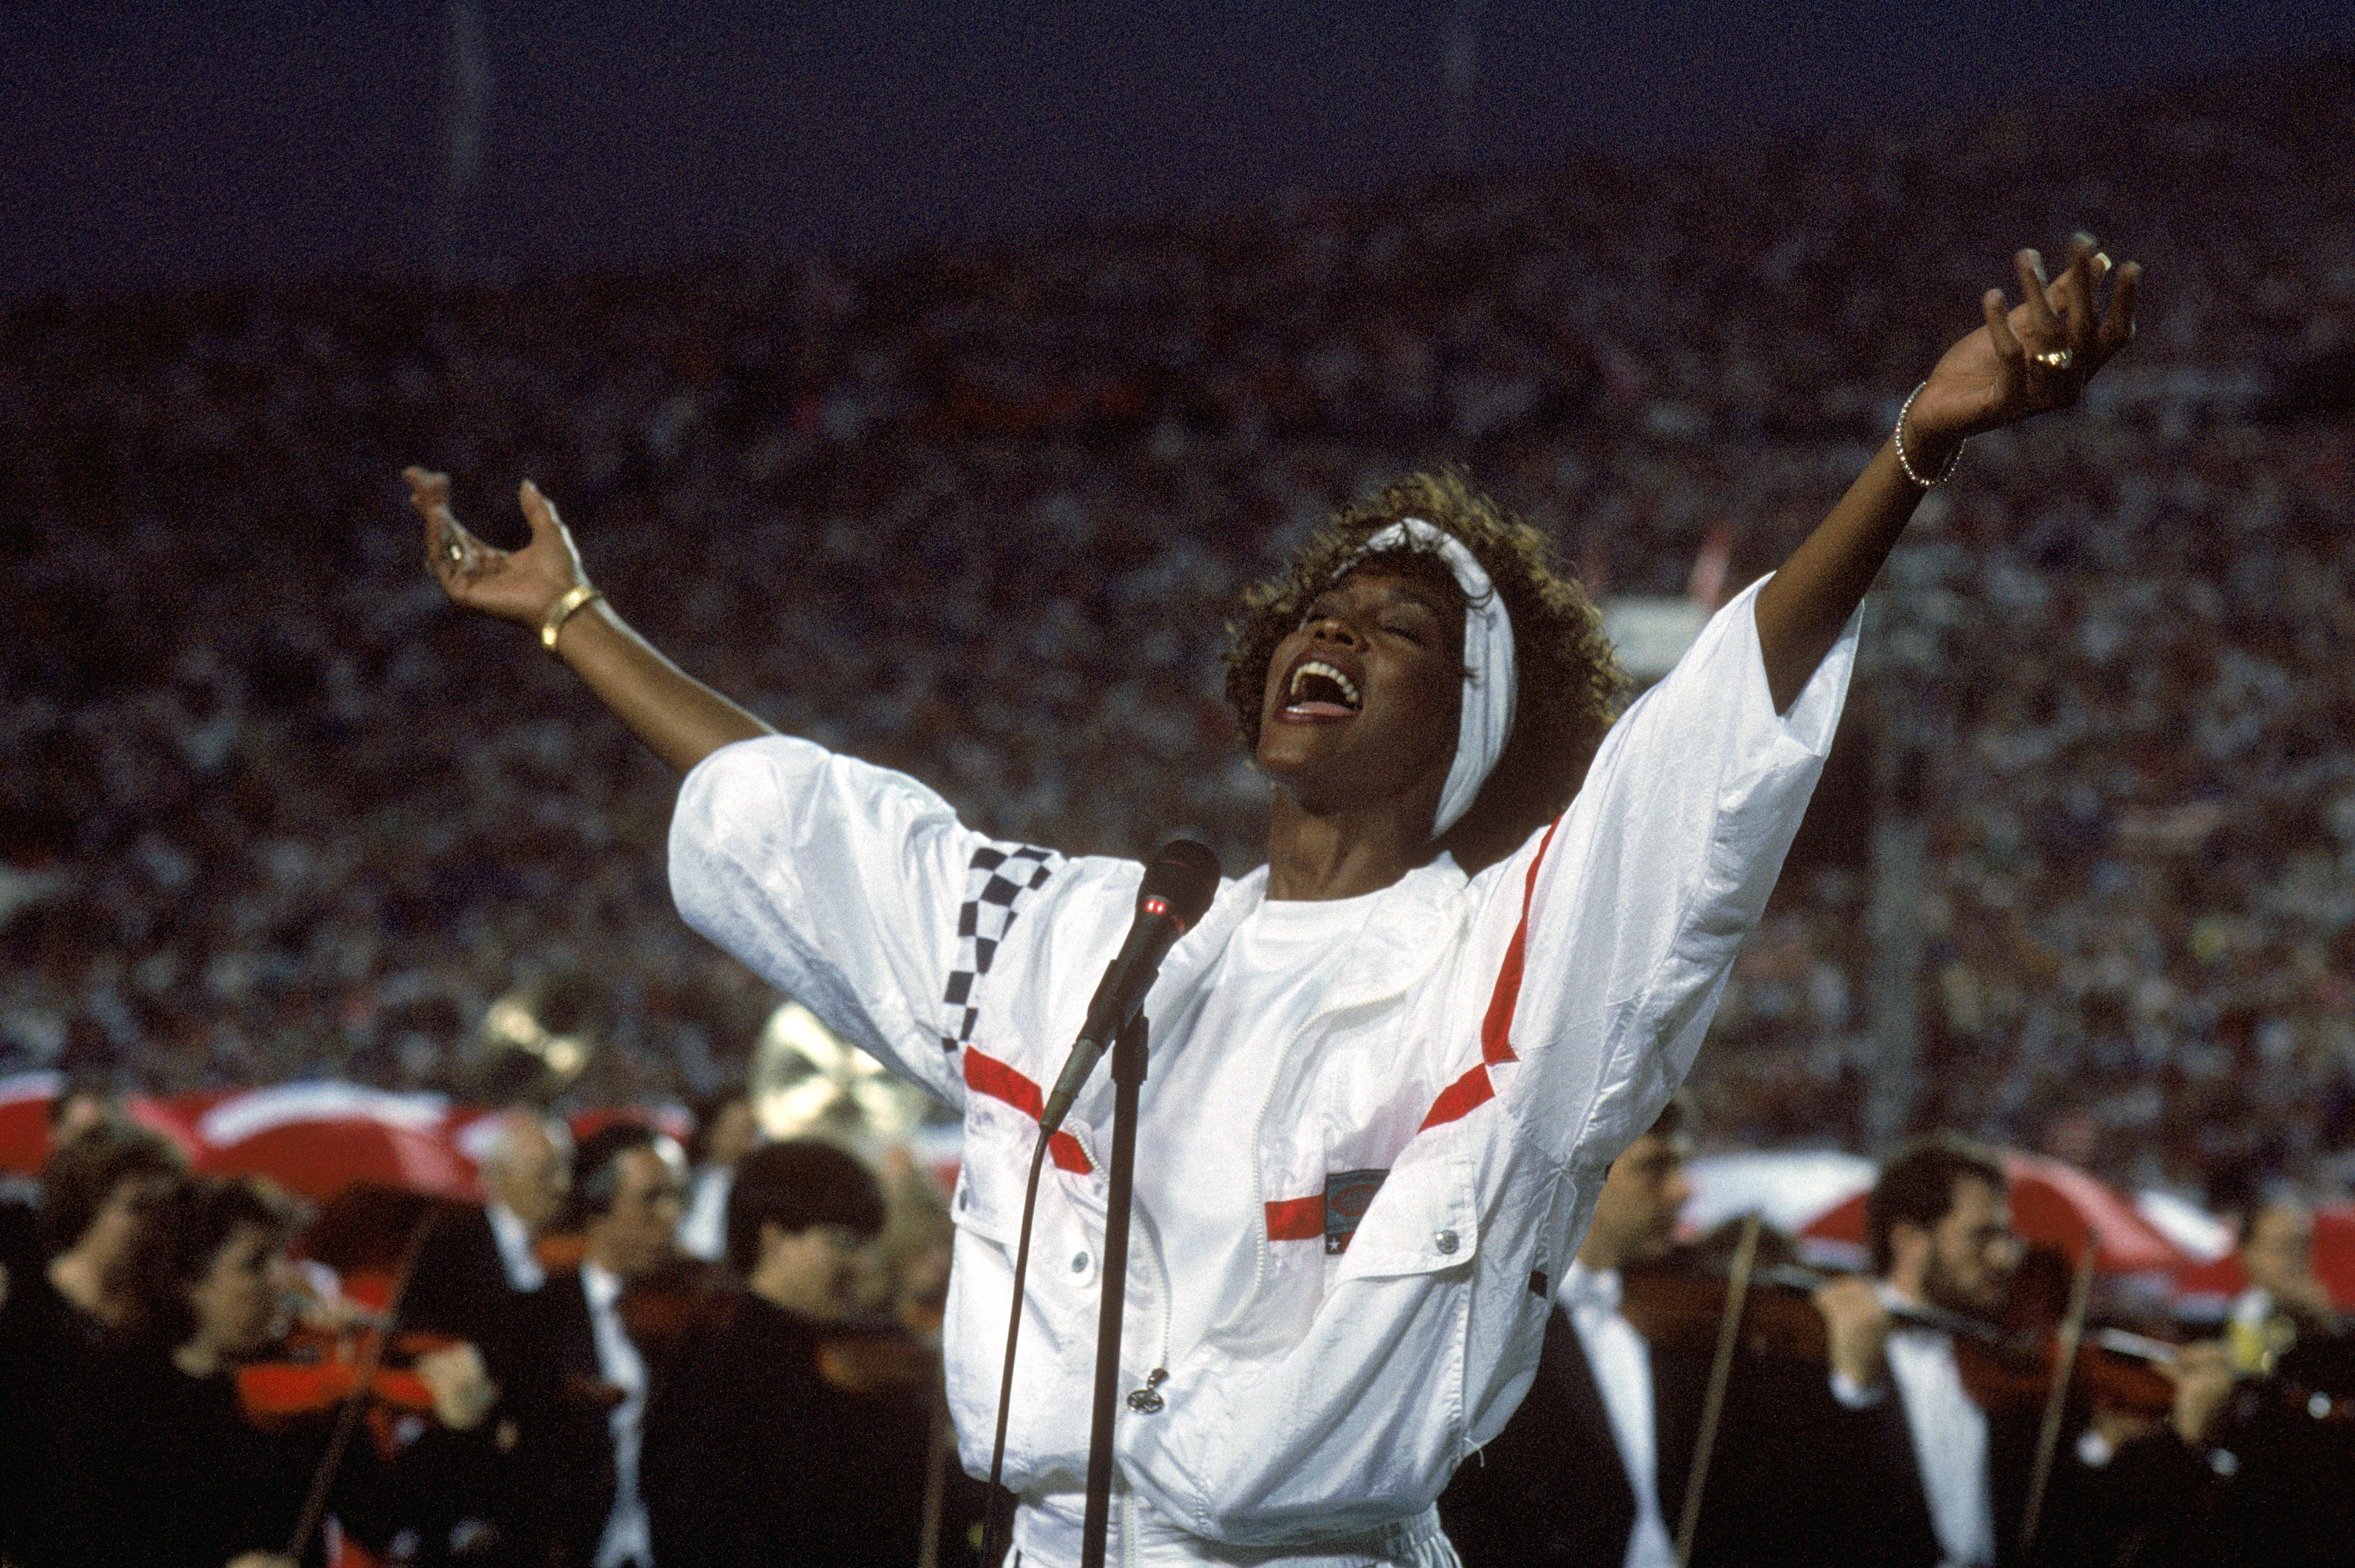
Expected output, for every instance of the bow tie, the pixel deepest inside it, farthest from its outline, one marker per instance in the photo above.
(1596, 1289)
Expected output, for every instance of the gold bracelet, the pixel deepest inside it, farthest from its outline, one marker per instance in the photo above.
(1897, 439)
(562, 611)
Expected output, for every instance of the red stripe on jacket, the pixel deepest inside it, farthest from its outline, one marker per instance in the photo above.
(1296, 1219)
(1471, 1090)
(1497, 1028)
(1475, 1088)
(987, 1075)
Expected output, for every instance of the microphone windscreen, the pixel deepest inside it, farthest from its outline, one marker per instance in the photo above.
(1186, 876)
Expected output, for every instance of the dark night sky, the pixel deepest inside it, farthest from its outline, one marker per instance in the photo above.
(179, 140)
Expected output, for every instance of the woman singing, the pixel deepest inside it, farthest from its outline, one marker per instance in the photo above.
(1390, 1067)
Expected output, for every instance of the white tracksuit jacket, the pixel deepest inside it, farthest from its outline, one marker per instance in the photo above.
(1494, 1045)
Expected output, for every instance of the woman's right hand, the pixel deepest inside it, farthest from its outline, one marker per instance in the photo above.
(517, 585)
(679, 718)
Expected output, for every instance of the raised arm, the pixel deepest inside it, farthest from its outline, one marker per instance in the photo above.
(682, 720)
(2035, 356)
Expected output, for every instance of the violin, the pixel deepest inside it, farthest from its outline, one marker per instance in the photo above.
(873, 1357)
(315, 1370)
(677, 1303)
(559, 1252)
(687, 1299)
(2007, 1364)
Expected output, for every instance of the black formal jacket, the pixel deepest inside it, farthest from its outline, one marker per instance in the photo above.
(564, 1410)
(753, 1460)
(1550, 1491)
(2277, 1490)
(460, 1286)
(1877, 1513)
(61, 1371)
(153, 1469)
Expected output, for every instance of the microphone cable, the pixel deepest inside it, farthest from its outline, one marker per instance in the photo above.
(993, 1506)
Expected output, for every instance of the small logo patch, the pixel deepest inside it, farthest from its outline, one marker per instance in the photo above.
(1346, 1195)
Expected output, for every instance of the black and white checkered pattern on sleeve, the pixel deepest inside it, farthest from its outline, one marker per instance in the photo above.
(997, 880)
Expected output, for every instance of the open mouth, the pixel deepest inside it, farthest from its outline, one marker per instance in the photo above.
(1317, 690)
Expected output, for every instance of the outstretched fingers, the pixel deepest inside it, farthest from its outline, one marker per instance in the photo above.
(2118, 324)
(2037, 290)
(1999, 324)
(452, 554)
(538, 511)
(2010, 354)
(2074, 294)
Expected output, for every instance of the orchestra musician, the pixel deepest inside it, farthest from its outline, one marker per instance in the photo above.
(2284, 1303)
(478, 1261)
(583, 1388)
(2256, 1465)
(161, 1462)
(1919, 1474)
(757, 1456)
(725, 1131)
(70, 1307)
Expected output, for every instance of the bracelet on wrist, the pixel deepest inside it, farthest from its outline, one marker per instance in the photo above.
(562, 611)
(1897, 439)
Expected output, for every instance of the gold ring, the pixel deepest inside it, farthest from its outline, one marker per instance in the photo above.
(2056, 358)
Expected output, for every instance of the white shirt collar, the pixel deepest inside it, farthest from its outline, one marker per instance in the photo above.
(513, 1238)
(603, 1287)
(1596, 1290)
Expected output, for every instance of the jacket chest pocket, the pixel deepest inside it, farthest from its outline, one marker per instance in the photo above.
(988, 1197)
(1424, 1219)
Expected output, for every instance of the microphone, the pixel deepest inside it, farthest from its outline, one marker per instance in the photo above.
(1177, 887)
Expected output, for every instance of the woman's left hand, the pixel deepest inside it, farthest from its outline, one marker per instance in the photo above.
(2035, 356)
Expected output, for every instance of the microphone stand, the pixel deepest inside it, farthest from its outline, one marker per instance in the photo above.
(1128, 1079)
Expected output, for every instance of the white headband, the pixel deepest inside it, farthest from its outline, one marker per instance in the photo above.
(1489, 679)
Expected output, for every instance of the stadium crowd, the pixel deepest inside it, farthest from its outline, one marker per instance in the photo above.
(255, 829)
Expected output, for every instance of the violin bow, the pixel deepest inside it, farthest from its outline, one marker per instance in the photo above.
(2048, 1435)
(315, 1505)
(1721, 1370)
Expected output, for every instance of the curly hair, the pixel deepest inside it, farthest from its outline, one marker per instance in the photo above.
(1569, 683)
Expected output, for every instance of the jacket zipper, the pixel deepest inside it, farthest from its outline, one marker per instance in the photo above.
(1161, 1281)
